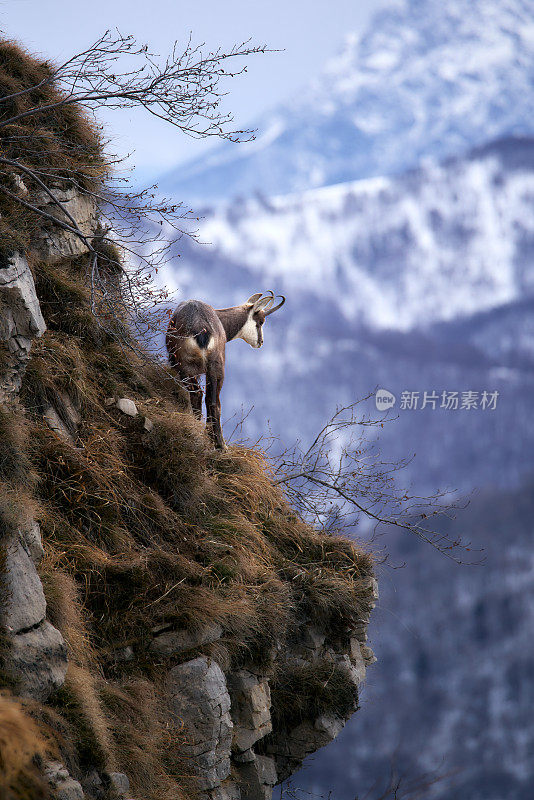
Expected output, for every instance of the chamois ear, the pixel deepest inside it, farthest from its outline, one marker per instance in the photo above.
(263, 303)
(253, 299)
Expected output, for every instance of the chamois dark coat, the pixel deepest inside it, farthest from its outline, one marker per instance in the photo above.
(196, 340)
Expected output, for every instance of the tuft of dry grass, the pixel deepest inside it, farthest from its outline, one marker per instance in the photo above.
(79, 703)
(306, 692)
(62, 138)
(148, 746)
(15, 466)
(21, 743)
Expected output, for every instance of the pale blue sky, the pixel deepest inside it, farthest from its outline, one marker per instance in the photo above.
(309, 31)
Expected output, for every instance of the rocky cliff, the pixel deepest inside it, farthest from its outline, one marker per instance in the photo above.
(169, 627)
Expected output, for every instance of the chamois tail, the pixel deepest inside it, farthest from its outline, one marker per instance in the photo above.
(202, 338)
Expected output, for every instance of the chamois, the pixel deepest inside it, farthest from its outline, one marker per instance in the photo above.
(196, 340)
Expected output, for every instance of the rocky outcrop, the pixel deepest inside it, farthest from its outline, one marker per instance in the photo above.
(53, 242)
(21, 322)
(37, 654)
(200, 702)
(232, 740)
(251, 703)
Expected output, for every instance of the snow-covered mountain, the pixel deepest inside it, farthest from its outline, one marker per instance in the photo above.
(428, 79)
(420, 282)
(437, 243)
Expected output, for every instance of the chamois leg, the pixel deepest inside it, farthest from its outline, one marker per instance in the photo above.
(214, 382)
(194, 389)
(195, 395)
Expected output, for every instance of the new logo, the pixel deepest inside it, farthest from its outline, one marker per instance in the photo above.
(384, 399)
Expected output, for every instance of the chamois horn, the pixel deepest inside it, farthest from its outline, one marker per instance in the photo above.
(275, 308)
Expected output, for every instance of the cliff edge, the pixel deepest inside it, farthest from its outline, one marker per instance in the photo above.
(169, 627)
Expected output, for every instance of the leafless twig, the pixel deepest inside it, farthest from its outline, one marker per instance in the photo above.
(340, 480)
(185, 89)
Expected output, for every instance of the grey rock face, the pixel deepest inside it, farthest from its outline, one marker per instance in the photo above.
(38, 655)
(25, 605)
(57, 244)
(258, 778)
(201, 703)
(63, 785)
(357, 663)
(38, 658)
(33, 542)
(20, 321)
(251, 709)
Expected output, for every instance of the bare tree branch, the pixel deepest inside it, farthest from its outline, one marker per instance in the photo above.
(185, 89)
(341, 481)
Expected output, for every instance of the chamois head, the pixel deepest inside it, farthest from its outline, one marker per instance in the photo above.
(258, 307)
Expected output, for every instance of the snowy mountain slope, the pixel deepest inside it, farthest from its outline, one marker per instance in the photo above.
(437, 243)
(427, 80)
(422, 282)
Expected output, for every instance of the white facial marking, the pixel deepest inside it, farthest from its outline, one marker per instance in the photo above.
(249, 332)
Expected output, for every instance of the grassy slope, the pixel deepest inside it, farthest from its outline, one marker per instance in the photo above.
(147, 529)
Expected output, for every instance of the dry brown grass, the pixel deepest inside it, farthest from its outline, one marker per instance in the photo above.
(57, 136)
(144, 529)
(15, 466)
(328, 690)
(147, 744)
(21, 743)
